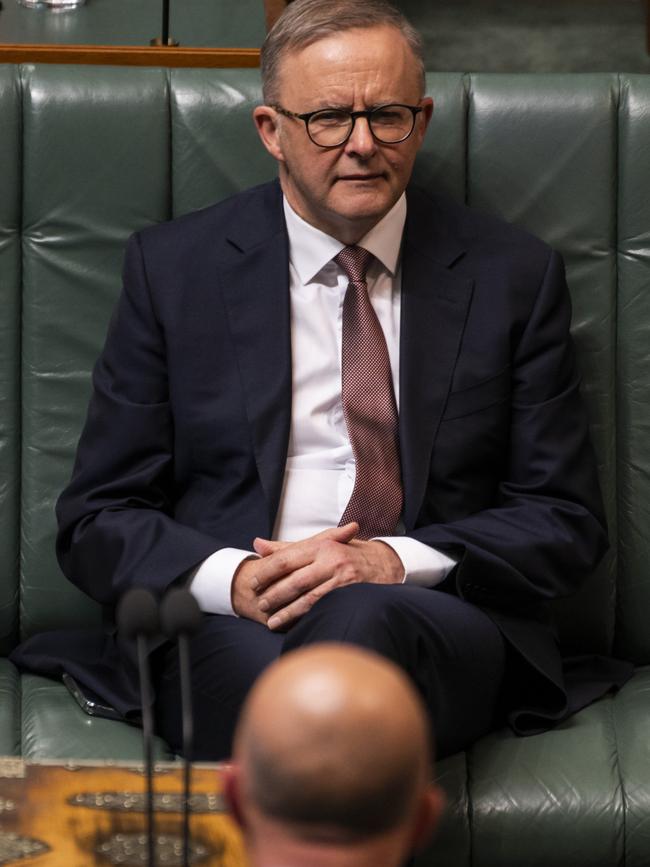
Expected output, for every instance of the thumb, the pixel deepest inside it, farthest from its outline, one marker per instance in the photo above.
(343, 534)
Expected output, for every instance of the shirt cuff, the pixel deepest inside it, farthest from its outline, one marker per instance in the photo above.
(212, 581)
(423, 565)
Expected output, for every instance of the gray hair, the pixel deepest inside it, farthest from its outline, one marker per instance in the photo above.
(304, 22)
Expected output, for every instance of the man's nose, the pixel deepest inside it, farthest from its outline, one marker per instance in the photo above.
(361, 140)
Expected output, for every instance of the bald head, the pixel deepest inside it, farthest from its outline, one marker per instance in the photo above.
(334, 741)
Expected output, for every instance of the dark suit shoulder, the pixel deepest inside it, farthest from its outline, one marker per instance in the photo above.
(251, 214)
(439, 217)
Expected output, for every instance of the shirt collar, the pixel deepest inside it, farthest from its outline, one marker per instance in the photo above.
(310, 249)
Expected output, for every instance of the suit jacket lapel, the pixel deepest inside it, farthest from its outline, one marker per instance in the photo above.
(255, 285)
(435, 303)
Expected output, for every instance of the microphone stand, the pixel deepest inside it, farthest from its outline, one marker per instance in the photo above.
(165, 22)
(180, 618)
(188, 738)
(165, 39)
(138, 618)
(147, 737)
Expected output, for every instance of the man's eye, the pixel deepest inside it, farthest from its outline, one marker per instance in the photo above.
(387, 117)
(331, 118)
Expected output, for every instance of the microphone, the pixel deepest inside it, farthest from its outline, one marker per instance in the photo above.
(137, 618)
(180, 617)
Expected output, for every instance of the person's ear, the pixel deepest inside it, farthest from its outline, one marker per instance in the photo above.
(425, 115)
(231, 776)
(267, 123)
(432, 803)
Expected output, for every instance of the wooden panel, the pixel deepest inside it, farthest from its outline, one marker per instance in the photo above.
(131, 55)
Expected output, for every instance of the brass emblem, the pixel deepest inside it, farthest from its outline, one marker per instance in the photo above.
(163, 802)
(13, 847)
(130, 850)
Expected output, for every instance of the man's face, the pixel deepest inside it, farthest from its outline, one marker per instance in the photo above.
(345, 190)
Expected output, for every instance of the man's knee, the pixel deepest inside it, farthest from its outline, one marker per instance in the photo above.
(365, 614)
(372, 599)
(416, 627)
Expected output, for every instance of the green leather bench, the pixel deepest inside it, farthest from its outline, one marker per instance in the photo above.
(88, 155)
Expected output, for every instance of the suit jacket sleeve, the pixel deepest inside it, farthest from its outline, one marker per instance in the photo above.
(116, 518)
(531, 526)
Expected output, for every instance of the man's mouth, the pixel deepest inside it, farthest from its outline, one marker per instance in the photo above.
(361, 177)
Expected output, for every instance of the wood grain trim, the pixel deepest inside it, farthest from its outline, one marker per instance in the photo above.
(131, 55)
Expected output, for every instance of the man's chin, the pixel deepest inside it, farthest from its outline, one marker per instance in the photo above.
(363, 202)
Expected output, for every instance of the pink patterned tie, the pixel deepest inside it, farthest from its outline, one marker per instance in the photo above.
(368, 406)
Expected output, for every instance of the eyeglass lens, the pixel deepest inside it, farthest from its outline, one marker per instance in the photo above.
(389, 124)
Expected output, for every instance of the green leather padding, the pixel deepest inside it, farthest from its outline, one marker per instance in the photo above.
(10, 196)
(55, 727)
(633, 370)
(577, 795)
(554, 798)
(96, 164)
(542, 153)
(632, 718)
(211, 159)
(9, 709)
(442, 163)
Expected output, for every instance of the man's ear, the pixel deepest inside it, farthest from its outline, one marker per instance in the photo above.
(432, 803)
(231, 776)
(426, 115)
(266, 120)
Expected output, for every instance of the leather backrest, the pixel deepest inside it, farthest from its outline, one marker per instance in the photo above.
(96, 167)
(108, 150)
(10, 193)
(543, 154)
(633, 368)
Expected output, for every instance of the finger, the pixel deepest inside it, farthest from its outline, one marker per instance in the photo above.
(294, 555)
(264, 547)
(279, 564)
(287, 616)
(291, 587)
(342, 534)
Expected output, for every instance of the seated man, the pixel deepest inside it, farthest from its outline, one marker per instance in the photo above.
(339, 408)
(332, 763)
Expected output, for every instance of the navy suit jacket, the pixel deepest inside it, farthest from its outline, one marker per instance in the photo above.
(185, 443)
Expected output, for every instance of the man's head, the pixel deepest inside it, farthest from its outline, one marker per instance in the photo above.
(354, 57)
(333, 760)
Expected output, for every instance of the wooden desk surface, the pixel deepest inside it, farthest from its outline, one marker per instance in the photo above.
(79, 814)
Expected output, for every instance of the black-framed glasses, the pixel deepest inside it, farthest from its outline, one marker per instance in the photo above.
(331, 127)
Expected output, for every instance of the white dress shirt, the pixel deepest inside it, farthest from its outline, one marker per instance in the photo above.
(320, 468)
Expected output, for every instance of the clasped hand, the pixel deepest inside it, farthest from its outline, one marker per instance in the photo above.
(290, 577)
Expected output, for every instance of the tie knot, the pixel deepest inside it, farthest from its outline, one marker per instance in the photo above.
(354, 261)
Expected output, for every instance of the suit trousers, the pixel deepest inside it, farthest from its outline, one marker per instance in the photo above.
(452, 651)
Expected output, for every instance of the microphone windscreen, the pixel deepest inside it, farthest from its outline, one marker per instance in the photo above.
(179, 613)
(137, 613)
